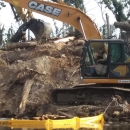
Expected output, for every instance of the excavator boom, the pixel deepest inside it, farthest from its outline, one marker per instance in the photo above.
(61, 12)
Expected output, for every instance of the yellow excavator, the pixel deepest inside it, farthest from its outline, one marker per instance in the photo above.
(113, 77)
(40, 29)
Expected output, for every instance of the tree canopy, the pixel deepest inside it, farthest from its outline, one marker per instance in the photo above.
(120, 8)
(76, 3)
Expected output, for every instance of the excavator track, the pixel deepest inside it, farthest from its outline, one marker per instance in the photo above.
(91, 94)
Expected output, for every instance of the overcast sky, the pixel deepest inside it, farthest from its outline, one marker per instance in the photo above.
(93, 11)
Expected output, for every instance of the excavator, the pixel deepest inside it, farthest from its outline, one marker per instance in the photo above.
(112, 77)
(40, 29)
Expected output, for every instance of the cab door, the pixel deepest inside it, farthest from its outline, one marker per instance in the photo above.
(119, 61)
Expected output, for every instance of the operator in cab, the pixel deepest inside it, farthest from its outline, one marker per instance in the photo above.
(100, 67)
(101, 55)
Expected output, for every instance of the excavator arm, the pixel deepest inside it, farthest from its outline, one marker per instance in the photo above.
(40, 29)
(20, 12)
(61, 12)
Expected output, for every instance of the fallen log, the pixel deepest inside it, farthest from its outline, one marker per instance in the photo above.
(48, 116)
(25, 93)
(122, 25)
(65, 114)
(10, 46)
(45, 117)
(67, 39)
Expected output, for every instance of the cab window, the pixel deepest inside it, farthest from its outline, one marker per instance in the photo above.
(115, 52)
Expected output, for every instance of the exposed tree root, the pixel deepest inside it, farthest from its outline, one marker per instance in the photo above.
(25, 93)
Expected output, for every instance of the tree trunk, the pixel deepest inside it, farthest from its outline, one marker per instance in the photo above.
(10, 46)
(108, 25)
(122, 25)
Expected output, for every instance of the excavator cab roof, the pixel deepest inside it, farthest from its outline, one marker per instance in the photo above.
(96, 44)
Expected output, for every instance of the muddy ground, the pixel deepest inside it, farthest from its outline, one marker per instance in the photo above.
(28, 76)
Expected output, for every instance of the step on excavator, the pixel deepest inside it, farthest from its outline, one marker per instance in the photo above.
(102, 80)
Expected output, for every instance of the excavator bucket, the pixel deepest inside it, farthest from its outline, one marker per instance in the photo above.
(40, 29)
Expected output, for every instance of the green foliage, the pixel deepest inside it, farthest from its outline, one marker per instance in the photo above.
(120, 8)
(76, 3)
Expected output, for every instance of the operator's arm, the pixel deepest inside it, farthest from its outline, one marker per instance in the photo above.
(104, 57)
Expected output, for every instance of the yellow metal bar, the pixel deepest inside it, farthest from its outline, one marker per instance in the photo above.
(75, 123)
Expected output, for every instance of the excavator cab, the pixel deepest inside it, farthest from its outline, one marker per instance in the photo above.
(116, 67)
